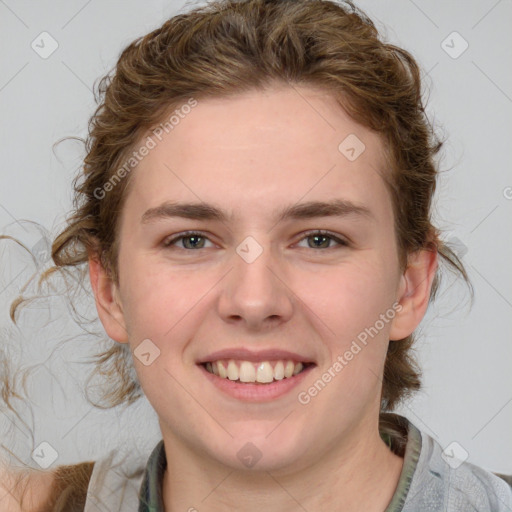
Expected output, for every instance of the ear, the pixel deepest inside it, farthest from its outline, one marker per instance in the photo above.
(414, 292)
(108, 305)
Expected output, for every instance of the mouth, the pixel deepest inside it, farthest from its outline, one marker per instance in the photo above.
(260, 373)
(255, 382)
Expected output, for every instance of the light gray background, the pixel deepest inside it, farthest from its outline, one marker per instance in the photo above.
(466, 355)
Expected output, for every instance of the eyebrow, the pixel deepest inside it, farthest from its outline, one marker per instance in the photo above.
(307, 210)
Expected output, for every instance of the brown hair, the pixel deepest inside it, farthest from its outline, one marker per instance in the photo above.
(227, 47)
(66, 493)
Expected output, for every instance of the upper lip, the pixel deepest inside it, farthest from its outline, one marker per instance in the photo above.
(254, 356)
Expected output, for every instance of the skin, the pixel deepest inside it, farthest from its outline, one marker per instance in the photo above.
(273, 148)
(30, 487)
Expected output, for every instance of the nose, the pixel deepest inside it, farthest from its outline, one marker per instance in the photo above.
(255, 292)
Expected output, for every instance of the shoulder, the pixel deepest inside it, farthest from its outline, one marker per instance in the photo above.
(116, 480)
(442, 480)
(471, 485)
(112, 481)
(27, 489)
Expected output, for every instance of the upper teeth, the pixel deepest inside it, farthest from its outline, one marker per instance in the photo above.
(246, 371)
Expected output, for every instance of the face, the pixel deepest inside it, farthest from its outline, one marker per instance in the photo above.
(256, 280)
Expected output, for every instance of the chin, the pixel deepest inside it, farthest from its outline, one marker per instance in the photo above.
(262, 452)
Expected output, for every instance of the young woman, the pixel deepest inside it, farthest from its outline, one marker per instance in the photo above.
(254, 213)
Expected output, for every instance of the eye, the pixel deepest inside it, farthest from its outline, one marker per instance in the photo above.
(190, 239)
(195, 240)
(322, 239)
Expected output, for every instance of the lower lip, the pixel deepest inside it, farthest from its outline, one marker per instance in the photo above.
(256, 392)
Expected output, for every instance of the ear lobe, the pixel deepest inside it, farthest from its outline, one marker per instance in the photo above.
(108, 305)
(414, 292)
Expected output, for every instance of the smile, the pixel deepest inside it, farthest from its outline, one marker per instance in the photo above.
(262, 372)
(263, 381)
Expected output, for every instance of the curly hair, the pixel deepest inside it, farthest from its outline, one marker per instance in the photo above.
(231, 46)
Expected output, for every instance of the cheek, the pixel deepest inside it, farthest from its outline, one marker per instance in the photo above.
(349, 301)
(349, 297)
(158, 298)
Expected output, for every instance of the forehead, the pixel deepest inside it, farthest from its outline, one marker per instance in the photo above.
(261, 147)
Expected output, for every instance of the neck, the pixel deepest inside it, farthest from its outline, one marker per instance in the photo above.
(351, 476)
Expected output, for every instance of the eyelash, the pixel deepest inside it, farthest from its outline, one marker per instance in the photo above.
(320, 232)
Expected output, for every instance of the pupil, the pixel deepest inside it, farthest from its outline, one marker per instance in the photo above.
(317, 238)
(192, 238)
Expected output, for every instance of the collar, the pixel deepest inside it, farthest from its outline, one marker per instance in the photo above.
(404, 438)
(150, 495)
